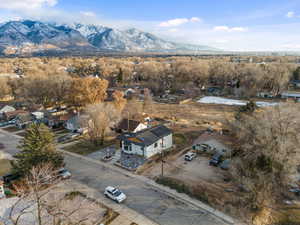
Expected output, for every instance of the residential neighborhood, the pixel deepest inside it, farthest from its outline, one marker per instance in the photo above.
(149, 112)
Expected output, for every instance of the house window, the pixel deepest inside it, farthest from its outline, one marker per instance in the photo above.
(127, 147)
(155, 145)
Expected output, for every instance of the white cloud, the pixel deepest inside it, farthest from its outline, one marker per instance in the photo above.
(195, 19)
(179, 21)
(230, 29)
(88, 13)
(26, 4)
(290, 14)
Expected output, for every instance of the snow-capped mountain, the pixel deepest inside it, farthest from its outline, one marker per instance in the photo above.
(40, 36)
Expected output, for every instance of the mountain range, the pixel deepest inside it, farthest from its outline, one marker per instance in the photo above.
(35, 37)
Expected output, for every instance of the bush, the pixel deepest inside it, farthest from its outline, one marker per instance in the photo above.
(72, 195)
(180, 187)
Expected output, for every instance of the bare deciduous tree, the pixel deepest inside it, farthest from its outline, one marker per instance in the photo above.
(38, 203)
(101, 118)
(267, 157)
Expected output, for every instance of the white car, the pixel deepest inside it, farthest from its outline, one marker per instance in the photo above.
(64, 174)
(114, 194)
(190, 156)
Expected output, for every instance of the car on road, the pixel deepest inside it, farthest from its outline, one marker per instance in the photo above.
(64, 173)
(216, 159)
(190, 156)
(114, 194)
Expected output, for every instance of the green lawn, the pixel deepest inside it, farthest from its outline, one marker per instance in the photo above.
(4, 166)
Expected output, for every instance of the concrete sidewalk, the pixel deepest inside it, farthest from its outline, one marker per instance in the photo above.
(172, 193)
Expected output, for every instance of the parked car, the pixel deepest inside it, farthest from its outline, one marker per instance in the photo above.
(114, 194)
(10, 177)
(13, 121)
(190, 156)
(3, 124)
(202, 147)
(225, 165)
(216, 159)
(64, 173)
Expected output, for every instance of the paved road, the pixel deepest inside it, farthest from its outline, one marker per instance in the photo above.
(142, 197)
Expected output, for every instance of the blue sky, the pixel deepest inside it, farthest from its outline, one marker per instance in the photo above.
(226, 24)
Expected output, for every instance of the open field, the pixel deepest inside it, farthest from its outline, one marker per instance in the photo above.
(193, 113)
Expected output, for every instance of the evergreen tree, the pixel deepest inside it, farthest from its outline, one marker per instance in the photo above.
(120, 76)
(37, 148)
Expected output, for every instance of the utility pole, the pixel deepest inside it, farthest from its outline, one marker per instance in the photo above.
(128, 121)
(162, 158)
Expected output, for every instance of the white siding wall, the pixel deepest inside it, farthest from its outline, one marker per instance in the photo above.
(140, 127)
(151, 150)
(162, 144)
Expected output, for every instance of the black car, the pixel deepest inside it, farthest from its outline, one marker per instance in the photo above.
(216, 159)
(7, 179)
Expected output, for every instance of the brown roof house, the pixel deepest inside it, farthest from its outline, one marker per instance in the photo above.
(130, 126)
(24, 119)
(11, 115)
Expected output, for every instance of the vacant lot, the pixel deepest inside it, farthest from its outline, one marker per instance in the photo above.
(191, 172)
(193, 113)
(198, 179)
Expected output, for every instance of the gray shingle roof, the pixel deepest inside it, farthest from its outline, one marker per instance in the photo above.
(147, 137)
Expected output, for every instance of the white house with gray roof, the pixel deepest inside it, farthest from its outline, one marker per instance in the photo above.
(148, 142)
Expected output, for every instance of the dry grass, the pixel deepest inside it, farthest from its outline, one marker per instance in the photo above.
(86, 147)
(5, 166)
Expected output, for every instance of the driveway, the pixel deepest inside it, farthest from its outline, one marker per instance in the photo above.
(143, 198)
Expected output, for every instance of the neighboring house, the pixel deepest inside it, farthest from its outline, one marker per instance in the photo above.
(11, 115)
(6, 109)
(38, 115)
(56, 121)
(291, 95)
(130, 126)
(148, 142)
(23, 120)
(75, 123)
(265, 95)
(129, 91)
